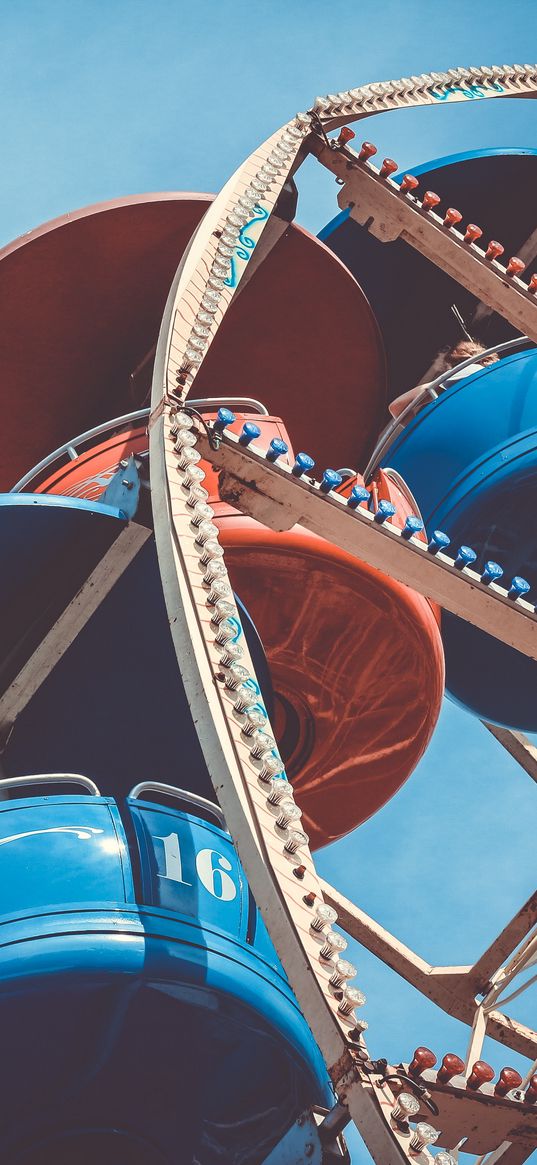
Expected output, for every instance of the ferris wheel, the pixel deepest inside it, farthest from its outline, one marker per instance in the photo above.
(273, 718)
(298, 910)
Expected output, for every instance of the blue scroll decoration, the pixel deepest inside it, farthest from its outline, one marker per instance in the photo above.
(470, 91)
(246, 243)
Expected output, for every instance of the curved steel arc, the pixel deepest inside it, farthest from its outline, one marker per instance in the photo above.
(208, 278)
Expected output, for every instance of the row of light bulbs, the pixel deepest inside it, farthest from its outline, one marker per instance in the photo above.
(269, 173)
(352, 100)
(254, 722)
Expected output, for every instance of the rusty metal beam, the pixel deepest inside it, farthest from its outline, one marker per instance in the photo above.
(504, 945)
(518, 745)
(451, 988)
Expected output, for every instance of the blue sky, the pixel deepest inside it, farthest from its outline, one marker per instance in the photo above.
(104, 98)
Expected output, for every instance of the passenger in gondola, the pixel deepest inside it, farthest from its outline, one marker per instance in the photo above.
(447, 358)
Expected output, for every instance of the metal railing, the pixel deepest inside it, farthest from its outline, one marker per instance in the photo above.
(50, 779)
(180, 795)
(431, 391)
(72, 449)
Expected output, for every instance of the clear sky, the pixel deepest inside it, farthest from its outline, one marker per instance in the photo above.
(101, 98)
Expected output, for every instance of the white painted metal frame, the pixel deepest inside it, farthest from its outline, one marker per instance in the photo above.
(240, 225)
(271, 494)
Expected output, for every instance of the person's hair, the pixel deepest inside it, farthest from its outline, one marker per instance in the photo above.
(448, 358)
(464, 349)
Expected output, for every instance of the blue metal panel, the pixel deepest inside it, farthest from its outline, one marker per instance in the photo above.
(470, 459)
(123, 491)
(58, 852)
(190, 867)
(156, 1021)
(470, 420)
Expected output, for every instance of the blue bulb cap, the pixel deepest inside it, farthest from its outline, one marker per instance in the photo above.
(249, 432)
(438, 541)
(492, 572)
(224, 417)
(276, 449)
(465, 557)
(384, 512)
(358, 495)
(331, 480)
(303, 464)
(412, 526)
(519, 587)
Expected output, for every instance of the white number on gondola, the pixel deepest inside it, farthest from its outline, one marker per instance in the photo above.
(172, 859)
(211, 867)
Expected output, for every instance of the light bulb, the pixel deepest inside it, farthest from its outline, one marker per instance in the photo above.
(206, 530)
(423, 1058)
(243, 696)
(405, 1106)
(481, 1073)
(187, 457)
(271, 767)
(323, 914)
(236, 675)
(198, 494)
(192, 355)
(222, 610)
(279, 789)
(212, 549)
(193, 475)
(451, 1066)
(262, 742)
(254, 718)
(296, 839)
(216, 570)
(333, 943)
(288, 812)
(509, 1079)
(352, 997)
(342, 970)
(202, 513)
(423, 1135)
(227, 629)
(182, 420)
(230, 653)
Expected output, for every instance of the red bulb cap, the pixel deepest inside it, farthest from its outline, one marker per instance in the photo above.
(452, 217)
(472, 233)
(388, 167)
(509, 1078)
(481, 1073)
(515, 266)
(409, 183)
(346, 135)
(451, 1066)
(430, 200)
(367, 151)
(532, 285)
(531, 1091)
(423, 1058)
(494, 250)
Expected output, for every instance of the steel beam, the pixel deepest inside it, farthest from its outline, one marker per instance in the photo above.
(69, 624)
(274, 497)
